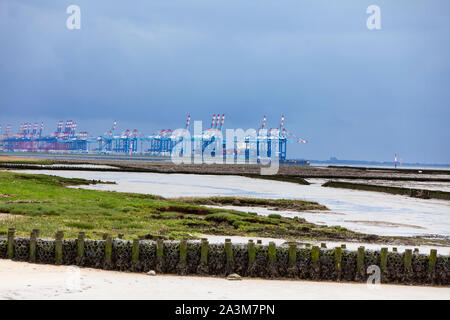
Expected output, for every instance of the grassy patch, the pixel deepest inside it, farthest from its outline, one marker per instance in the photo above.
(170, 215)
(415, 193)
(5, 158)
(43, 202)
(80, 225)
(274, 204)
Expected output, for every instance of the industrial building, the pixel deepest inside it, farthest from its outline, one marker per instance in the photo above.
(65, 139)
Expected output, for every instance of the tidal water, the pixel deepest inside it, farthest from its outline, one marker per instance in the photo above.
(362, 211)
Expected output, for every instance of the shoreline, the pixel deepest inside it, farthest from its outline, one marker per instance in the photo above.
(313, 222)
(295, 174)
(21, 280)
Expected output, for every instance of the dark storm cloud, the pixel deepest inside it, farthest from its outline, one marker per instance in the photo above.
(353, 93)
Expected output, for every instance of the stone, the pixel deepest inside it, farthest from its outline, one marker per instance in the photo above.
(151, 273)
(234, 276)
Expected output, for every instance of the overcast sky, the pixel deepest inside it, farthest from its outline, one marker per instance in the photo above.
(353, 93)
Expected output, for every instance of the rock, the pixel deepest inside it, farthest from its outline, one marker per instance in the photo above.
(151, 273)
(234, 276)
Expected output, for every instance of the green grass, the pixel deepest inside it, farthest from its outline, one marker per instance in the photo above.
(415, 193)
(44, 202)
(275, 204)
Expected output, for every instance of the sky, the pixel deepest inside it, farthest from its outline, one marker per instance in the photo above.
(353, 93)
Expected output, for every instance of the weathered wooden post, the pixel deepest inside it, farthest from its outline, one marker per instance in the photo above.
(33, 243)
(292, 254)
(135, 250)
(203, 266)
(432, 264)
(108, 251)
(360, 272)
(135, 255)
(272, 256)
(315, 262)
(272, 252)
(432, 260)
(251, 252)
(10, 245)
(292, 265)
(37, 232)
(183, 251)
(204, 251)
(408, 260)
(383, 259)
(80, 248)
(59, 247)
(229, 256)
(315, 254)
(251, 268)
(159, 256)
(182, 265)
(338, 261)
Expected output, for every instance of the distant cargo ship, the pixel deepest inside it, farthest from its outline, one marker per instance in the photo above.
(296, 162)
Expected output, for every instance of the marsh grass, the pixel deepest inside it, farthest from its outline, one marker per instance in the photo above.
(43, 202)
(274, 204)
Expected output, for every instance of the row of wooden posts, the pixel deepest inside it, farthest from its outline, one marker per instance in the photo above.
(272, 252)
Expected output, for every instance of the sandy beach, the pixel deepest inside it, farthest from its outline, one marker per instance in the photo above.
(21, 280)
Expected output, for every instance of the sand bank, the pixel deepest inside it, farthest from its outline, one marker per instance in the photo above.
(21, 280)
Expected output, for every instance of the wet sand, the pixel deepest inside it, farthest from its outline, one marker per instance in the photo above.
(21, 280)
(425, 185)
